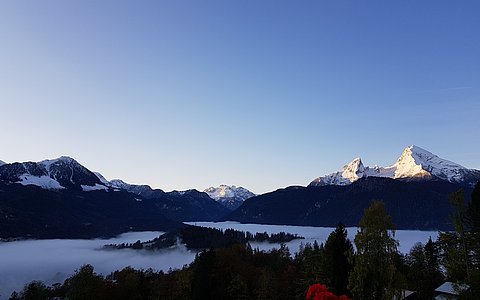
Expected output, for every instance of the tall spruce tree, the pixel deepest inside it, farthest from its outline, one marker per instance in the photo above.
(374, 275)
(336, 264)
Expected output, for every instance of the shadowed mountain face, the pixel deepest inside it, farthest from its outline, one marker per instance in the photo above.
(30, 211)
(412, 205)
(62, 199)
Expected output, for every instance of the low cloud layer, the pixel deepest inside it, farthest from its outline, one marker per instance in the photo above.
(53, 261)
(407, 238)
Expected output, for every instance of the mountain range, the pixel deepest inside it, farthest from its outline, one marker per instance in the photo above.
(415, 163)
(415, 190)
(62, 198)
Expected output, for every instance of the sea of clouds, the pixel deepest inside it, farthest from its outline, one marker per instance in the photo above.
(52, 261)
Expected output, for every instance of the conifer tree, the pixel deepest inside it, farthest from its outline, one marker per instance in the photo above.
(374, 275)
(335, 264)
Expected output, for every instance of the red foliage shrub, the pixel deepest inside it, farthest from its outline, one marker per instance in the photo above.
(320, 292)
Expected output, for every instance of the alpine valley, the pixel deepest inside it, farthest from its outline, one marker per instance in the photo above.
(60, 198)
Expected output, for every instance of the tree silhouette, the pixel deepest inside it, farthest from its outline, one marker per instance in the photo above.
(375, 275)
(335, 264)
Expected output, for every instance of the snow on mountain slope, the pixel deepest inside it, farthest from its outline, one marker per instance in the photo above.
(418, 162)
(2, 163)
(349, 173)
(226, 191)
(53, 174)
(133, 188)
(118, 184)
(96, 187)
(43, 181)
(229, 196)
(415, 163)
(101, 178)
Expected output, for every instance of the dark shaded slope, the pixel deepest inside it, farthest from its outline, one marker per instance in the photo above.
(30, 211)
(192, 205)
(412, 205)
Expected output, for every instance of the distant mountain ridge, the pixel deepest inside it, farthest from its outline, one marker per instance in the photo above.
(55, 197)
(418, 205)
(230, 196)
(38, 198)
(415, 190)
(415, 163)
(54, 174)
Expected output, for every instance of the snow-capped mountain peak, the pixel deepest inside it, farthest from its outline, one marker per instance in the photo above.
(47, 163)
(350, 172)
(415, 163)
(55, 174)
(230, 196)
(228, 191)
(353, 170)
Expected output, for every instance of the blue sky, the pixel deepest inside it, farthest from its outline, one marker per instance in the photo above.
(262, 94)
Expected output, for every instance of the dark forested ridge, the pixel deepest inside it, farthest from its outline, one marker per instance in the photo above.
(32, 212)
(413, 205)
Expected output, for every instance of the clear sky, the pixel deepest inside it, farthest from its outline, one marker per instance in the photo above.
(262, 94)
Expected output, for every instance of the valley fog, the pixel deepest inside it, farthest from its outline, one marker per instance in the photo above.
(407, 238)
(52, 261)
